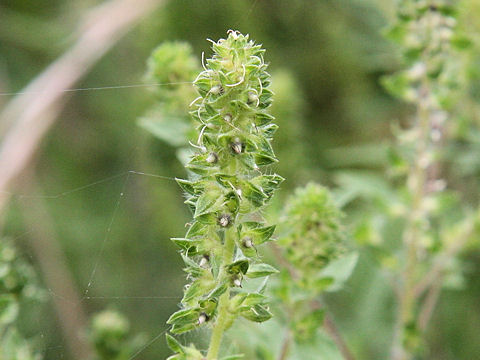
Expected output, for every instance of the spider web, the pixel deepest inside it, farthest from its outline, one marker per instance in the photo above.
(89, 292)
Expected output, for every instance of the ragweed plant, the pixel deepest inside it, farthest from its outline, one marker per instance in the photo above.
(226, 192)
(433, 235)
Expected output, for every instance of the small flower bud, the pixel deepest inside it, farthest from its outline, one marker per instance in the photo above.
(225, 220)
(202, 318)
(252, 97)
(237, 146)
(204, 261)
(216, 89)
(247, 242)
(212, 158)
(237, 282)
(228, 118)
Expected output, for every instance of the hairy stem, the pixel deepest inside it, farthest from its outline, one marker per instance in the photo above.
(224, 301)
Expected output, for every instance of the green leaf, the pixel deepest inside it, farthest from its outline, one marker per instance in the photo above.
(219, 290)
(192, 267)
(261, 270)
(196, 229)
(262, 118)
(186, 186)
(263, 234)
(239, 266)
(172, 129)
(186, 244)
(182, 317)
(210, 201)
(339, 271)
(195, 290)
(254, 194)
(257, 313)
(173, 344)
(180, 329)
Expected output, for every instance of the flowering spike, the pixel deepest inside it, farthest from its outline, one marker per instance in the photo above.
(226, 189)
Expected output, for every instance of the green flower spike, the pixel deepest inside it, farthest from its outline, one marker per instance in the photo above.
(225, 191)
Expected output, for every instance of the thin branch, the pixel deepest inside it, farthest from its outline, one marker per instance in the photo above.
(32, 113)
(332, 330)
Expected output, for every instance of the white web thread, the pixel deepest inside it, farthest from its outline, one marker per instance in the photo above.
(112, 87)
(105, 239)
(85, 297)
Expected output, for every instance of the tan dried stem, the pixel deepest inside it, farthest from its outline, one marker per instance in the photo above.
(30, 114)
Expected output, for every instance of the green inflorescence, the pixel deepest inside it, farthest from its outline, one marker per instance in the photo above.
(314, 236)
(226, 191)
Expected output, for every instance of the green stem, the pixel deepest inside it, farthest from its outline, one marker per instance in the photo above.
(224, 301)
(417, 181)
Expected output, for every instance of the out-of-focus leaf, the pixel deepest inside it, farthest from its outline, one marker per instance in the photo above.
(339, 271)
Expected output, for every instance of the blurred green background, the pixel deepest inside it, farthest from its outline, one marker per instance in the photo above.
(333, 50)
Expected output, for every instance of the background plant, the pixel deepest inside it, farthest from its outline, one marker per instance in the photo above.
(17, 284)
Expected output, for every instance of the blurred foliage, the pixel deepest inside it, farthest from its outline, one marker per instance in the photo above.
(331, 54)
(110, 335)
(17, 284)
